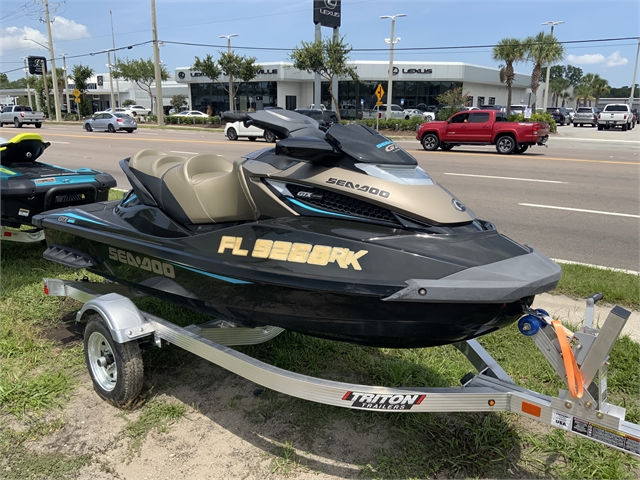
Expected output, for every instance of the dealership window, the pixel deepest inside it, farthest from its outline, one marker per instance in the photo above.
(469, 101)
(480, 101)
(492, 100)
(290, 102)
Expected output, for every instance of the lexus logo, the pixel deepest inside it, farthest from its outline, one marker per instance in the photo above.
(181, 75)
(395, 70)
(331, 4)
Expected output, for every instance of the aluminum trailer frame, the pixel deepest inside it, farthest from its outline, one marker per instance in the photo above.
(490, 390)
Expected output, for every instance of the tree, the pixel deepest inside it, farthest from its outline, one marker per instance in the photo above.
(556, 87)
(510, 51)
(127, 102)
(557, 71)
(142, 72)
(453, 98)
(583, 93)
(239, 69)
(542, 49)
(599, 87)
(328, 58)
(179, 102)
(573, 74)
(80, 75)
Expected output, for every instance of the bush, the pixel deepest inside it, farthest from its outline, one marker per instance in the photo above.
(536, 117)
(383, 124)
(128, 102)
(174, 120)
(445, 113)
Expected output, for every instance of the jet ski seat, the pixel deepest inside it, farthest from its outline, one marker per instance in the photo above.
(201, 189)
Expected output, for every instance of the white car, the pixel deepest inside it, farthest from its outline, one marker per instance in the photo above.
(116, 110)
(235, 130)
(135, 110)
(190, 113)
(414, 112)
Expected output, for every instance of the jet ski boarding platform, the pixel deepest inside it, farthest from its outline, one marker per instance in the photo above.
(115, 327)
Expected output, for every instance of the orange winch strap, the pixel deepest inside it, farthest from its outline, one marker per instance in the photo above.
(574, 377)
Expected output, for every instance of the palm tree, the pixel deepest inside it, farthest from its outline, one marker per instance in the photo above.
(557, 86)
(583, 93)
(509, 51)
(565, 96)
(599, 87)
(542, 49)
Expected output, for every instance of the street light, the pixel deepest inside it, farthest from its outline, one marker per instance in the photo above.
(391, 41)
(546, 89)
(113, 104)
(44, 77)
(232, 106)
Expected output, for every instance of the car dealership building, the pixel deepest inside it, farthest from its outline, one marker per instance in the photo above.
(415, 85)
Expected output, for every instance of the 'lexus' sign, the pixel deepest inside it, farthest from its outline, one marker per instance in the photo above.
(37, 65)
(327, 13)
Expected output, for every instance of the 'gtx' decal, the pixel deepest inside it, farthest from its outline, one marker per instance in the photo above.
(373, 401)
(358, 187)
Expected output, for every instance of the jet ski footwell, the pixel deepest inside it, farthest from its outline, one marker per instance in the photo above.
(579, 358)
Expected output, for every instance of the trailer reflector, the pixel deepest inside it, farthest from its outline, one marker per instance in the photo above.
(531, 409)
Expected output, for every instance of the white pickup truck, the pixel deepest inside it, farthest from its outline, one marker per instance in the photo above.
(396, 112)
(20, 115)
(615, 115)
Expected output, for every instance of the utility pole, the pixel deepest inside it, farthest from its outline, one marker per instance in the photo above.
(546, 83)
(54, 74)
(26, 76)
(156, 62)
(115, 58)
(633, 82)
(46, 89)
(113, 104)
(66, 81)
(392, 41)
(232, 103)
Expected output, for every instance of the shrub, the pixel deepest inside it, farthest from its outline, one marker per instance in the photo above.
(445, 113)
(127, 102)
(383, 124)
(536, 117)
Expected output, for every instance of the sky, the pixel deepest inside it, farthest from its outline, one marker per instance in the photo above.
(269, 29)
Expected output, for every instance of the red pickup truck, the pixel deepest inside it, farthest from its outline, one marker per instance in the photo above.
(482, 127)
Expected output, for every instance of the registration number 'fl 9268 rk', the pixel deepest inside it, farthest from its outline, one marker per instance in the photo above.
(320, 255)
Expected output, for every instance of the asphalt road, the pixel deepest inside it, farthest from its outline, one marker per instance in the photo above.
(577, 200)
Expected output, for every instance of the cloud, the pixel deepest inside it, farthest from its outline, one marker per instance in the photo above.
(613, 60)
(13, 38)
(65, 29)
(587, 59)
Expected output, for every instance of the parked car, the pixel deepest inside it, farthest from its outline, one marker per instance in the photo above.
(586, 116)
(482, 127)
(635, 117)
(235, 130)
(190, 113)
(112, 122)
(329, 117)
(116, 110)
(560, 115)
(20, 115)
(616, 115)
(135, 110)
(572, 113)
(414, 112)
(396, 112)
(498, 108)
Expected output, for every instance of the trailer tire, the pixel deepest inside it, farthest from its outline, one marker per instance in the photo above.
(120, 381)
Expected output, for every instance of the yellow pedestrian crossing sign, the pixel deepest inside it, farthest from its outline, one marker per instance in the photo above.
(76, 92)
(379, 92)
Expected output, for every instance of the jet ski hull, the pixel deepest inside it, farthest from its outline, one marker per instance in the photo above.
(325, 278)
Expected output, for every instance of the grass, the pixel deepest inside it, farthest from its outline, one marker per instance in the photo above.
(412, 445)
(155, 416)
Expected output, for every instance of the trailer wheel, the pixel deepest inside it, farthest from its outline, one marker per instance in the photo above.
(116, 369)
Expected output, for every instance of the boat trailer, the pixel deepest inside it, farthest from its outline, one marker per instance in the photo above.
(115, 326)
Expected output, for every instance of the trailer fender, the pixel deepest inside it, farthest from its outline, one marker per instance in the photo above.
(125, 321)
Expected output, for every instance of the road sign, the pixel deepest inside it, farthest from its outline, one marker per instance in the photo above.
(76, 92)
(37, 65)
(77, 100)
(379, 104)
(379, 92)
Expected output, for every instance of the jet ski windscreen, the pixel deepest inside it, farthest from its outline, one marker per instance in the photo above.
(368, 146)
(285, 123)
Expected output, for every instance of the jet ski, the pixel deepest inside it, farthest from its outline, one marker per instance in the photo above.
(333, 232)
(29, 187)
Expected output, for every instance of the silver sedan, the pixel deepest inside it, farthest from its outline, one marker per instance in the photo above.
(112, 122)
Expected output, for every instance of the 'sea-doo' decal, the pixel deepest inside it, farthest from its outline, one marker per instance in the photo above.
(379, 401)
(358, 187)
(144, 263)
(320, 255)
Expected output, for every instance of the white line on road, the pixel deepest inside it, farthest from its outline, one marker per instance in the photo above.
(580, 210)
(148, 133)
(178, 151)
(604, 140)
(504, 178)
(600, 267)
(64, 143)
